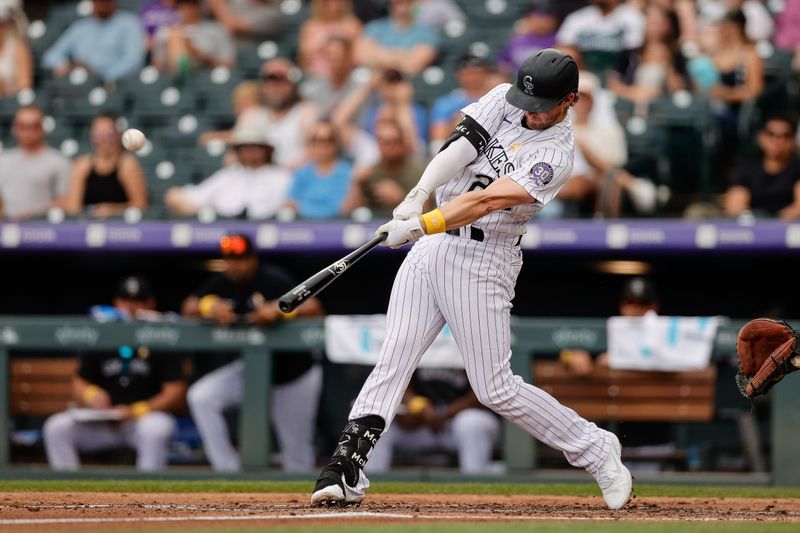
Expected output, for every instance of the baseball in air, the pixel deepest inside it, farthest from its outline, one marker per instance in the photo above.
(133, 139)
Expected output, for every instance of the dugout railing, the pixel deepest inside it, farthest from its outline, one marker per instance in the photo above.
(256, 345)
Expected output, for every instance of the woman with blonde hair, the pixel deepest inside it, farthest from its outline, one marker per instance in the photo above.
(16, 60)
(108, 180)
(329, 18)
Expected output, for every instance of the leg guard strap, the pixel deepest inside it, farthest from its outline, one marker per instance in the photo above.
(356, 443)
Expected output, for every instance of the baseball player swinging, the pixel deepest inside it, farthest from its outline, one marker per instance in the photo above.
(509, 156)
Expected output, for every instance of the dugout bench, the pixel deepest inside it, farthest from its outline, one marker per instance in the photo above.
(41, 386)
(529, 336)
(614, 396)
(610, 395)
(70, 335)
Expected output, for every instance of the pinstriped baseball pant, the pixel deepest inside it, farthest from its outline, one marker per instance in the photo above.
(469, 285)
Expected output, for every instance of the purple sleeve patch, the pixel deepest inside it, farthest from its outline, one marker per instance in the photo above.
(541, 174)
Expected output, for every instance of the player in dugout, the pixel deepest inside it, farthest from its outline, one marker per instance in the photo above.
(510, 155)
(247, 292)
(127, 396)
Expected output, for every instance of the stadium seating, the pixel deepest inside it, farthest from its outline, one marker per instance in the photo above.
(82, 109)
(213, 90)
(202, 161)
(180, 133)
(162, 176)
(159, 102)
(689, 141)
(673, 143)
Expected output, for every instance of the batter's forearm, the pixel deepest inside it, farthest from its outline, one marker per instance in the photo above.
(466, 209)
(470, 206)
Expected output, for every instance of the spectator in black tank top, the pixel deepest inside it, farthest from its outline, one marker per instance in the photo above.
(108, 180)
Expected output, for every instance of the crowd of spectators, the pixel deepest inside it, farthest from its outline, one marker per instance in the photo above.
(341, 113)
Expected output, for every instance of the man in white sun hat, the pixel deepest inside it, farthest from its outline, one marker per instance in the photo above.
(254, 188)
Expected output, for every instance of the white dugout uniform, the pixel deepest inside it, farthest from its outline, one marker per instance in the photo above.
(467, 281)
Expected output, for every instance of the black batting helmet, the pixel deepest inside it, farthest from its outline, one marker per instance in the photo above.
(544, 80)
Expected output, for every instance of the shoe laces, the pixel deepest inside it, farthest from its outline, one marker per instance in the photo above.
(604, 480)
(605, 476)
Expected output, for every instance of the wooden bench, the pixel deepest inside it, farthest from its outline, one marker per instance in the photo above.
(632, 395)
(41, 386)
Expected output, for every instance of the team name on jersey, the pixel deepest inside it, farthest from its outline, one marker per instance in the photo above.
(498, 158)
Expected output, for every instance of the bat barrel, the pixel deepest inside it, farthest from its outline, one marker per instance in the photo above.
(286, 305)
(313, 285)
(289, 302)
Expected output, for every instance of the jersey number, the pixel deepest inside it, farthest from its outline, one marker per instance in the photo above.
(482, 182)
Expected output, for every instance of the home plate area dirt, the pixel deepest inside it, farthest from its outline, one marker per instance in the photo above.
(85, 511)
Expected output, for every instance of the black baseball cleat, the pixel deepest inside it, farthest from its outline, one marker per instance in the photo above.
(332, 487)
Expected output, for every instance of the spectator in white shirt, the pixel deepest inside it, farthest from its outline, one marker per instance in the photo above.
(254, 188)
(604, 27)
(759, 25)
(285, 115)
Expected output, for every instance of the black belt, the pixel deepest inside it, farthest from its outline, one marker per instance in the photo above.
(476, 234)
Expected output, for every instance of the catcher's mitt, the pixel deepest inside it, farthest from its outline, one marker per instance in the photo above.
(767, 351)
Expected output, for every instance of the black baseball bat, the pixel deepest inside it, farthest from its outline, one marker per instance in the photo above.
(313, 285)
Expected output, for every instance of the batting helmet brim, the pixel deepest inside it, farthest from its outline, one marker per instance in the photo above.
(531, 104)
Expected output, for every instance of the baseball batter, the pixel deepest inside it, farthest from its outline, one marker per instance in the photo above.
(509, 156)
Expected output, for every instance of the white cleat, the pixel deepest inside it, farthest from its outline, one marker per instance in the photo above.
(330, 491)
(328, 496)
(614, 478)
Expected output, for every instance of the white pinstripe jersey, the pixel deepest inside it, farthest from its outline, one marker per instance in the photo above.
(540, 161)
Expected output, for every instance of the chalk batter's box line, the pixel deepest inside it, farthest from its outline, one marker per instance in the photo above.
(317, 516)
